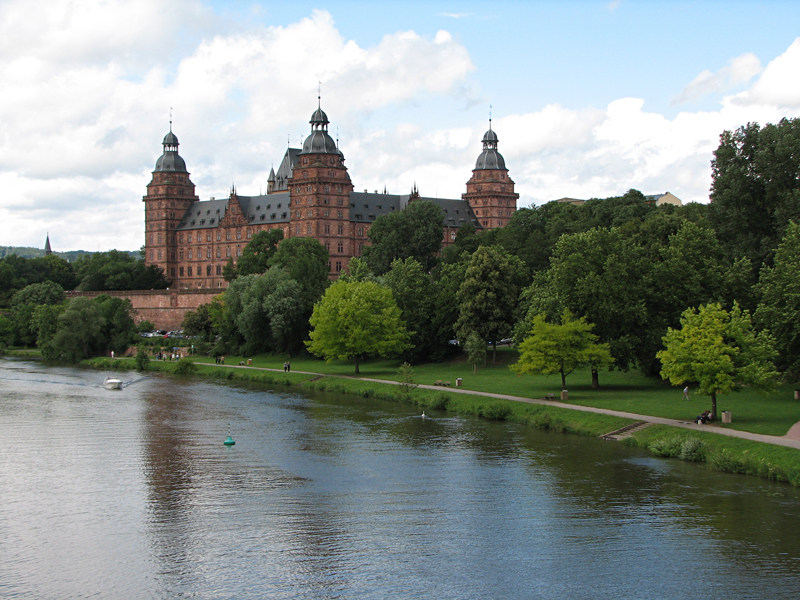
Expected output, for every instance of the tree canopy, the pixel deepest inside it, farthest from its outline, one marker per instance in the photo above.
(355, 320)
(719, 351)
(560, 347)
(415, 232)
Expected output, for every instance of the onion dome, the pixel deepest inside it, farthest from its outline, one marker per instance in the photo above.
(319, 142)
(170, 160)
(490, 158)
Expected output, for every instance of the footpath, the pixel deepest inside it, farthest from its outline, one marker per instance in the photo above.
(791, 439)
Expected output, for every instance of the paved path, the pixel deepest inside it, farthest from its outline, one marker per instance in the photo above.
(791, 439)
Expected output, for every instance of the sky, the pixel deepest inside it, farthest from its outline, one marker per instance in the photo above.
(588, 98)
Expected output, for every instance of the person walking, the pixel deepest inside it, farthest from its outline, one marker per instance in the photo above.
(686, 393)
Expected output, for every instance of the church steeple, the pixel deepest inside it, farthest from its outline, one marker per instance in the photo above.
(47, 250)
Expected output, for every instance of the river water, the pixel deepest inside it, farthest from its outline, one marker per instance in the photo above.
(132, 494)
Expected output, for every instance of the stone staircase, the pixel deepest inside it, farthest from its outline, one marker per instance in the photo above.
(627, 431)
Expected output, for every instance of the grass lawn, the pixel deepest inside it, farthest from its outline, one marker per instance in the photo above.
(771, 413)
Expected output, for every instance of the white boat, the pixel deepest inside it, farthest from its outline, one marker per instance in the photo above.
(112, 383)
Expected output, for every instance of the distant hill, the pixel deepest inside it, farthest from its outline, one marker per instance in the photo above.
(71, 256)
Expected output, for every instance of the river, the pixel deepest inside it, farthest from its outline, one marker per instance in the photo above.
(132, 494)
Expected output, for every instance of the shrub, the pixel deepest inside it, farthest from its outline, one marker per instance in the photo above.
(184, 366)
(669, 447)
(496, 411)
(725, 461)
(142, 358)
(693, 450)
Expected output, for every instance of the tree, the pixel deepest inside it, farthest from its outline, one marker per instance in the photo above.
(119, 329)
(719, 351)
(24, 303)
(79, 330)
(115, 270)
(356, 320)
(415, 232)
(560, 348)
(475, 347)
(779, 306)
(602, 276)
(754, 191)
(306, 261)
(413, 290)
(488, 296)
(258, 252)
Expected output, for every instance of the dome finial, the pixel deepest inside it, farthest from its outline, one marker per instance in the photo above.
(490, 117)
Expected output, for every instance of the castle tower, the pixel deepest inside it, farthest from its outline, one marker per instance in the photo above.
(490, 191)
(169, 195)
(320, 188)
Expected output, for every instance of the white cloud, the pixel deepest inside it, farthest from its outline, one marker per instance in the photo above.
(779, 84)
(87, 88)
(738, 71)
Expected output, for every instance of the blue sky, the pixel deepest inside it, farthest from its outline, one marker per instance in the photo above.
(589, 99)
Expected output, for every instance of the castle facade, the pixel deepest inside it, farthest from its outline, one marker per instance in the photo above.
(311, 195)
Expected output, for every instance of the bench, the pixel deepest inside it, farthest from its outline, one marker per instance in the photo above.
(441, 383)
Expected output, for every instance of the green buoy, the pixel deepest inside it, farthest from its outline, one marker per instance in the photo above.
(229, 441)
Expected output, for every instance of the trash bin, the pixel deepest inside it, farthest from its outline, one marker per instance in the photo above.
(564, 395)
(797, 394)
(249, 361)
(726, 416)
(458, 381)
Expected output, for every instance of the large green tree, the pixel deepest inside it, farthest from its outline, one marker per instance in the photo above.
(561, 347)
(115, 270)
(258, 251)
(24, 303)
(414, 292)
(306, 261)
(355, 320)
(754, 189)
(719, 351)
(79, 331)
(779, 305)
(487, 297)
(415, 232)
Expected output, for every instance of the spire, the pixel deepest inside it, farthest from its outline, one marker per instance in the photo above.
(47, 250)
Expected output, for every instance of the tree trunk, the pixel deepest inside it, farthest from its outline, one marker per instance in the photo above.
(563, 380)
(595, 380)
(713, 406)
(494, 353)
(357, 371)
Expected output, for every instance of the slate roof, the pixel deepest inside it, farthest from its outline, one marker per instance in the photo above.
(262, 209)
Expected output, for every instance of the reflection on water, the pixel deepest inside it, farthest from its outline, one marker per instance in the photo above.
(132, 494)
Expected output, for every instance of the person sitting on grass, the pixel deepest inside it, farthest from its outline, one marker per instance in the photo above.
(703, 418)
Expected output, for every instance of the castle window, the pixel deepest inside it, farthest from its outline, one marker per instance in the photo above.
(208, 270)
(189, 238)
(360, 232)
(227, 235)
(227, 252)
(159, 239)
(328, 188)
(218, 234)
(308, 189)
(208, 252)
(341, 229)
(325, 213)
(219, 269)
(218, 252)
(180, 271)
(308, 229)
(340, 247)
(297, 229)
(238, 251)
(328, 249)
(262, 217)
(239, 234)
(180, 254)
(272, 216)
(208, 236)
(190, 254)
(338, 266)
(327, 227)
(189, 271)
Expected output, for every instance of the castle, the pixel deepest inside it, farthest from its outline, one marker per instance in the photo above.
(311, 195)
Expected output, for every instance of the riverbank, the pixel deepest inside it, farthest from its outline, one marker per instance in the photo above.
(726, 450)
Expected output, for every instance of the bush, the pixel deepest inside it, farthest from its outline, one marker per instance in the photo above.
(693, 450)
(496, 411)
(184, 366)
(669, 447)
(726, 462)
(142, 358)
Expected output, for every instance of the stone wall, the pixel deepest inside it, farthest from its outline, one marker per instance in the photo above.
(164, 308)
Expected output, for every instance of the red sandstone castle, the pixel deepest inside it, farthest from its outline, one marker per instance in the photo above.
(311, 195)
